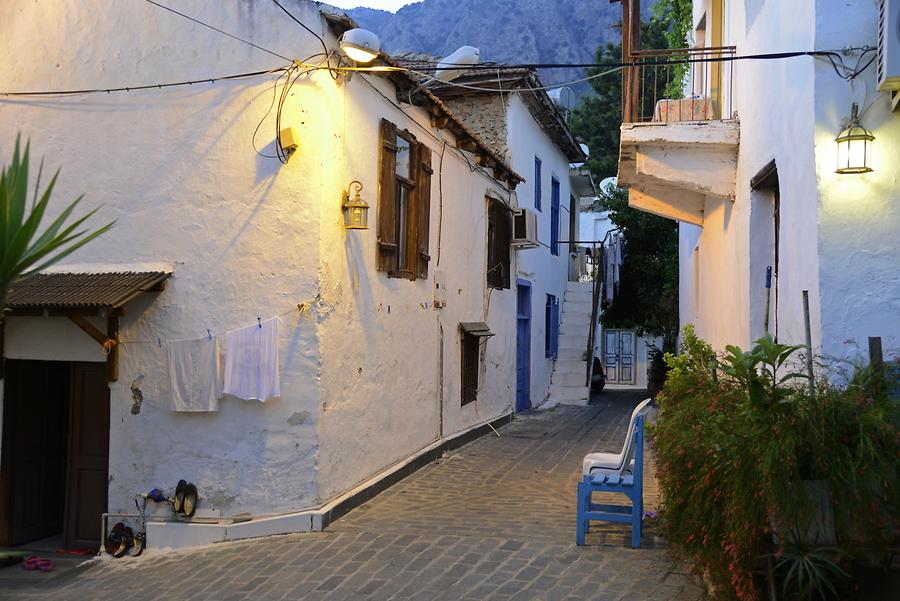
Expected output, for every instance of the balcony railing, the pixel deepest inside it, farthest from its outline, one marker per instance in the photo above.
(681, 84)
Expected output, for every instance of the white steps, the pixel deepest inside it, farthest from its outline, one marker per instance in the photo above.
(567, 382)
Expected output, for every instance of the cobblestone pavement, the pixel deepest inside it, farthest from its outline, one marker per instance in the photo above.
(491, 520)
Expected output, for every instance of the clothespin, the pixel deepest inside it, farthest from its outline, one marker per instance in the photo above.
(302, 307)
(208, 333)
(389, 308)
(159, 341)
(259, 321)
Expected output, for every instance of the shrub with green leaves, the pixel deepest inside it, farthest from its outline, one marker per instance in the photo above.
(22, 250)
(738, 441)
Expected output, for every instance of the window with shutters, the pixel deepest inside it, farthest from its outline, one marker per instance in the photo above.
(404, 204)
(499, 233)
(551, 331)
(554, 216)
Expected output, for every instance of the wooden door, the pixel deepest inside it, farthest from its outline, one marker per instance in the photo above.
(88, 454)
(618, 356)
(36, 416)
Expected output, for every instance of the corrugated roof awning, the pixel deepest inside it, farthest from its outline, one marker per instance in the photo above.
(111, 290)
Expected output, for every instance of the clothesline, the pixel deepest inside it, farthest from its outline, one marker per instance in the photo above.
(301, 310)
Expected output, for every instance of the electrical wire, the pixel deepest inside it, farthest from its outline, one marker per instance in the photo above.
(301, 24)
(232, 36)
(135, 88)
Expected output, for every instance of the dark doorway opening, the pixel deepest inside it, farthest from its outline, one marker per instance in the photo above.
(55, 456)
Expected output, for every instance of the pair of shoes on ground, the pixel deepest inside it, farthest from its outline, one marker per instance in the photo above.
(122, 539)
(185, 500)
(37, 563)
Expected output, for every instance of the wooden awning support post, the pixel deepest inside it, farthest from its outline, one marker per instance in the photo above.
(109, 341)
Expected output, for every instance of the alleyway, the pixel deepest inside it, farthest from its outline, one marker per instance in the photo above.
(491, 520)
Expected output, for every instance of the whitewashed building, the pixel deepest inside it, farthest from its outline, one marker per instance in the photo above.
(514, 113)
(747, 163)
(391, 342)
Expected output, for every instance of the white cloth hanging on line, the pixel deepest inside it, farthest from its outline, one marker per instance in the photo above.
(251, 361)
(194, 374)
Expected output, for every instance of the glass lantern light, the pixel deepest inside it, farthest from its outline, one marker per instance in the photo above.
(854, 146)
(356, 211)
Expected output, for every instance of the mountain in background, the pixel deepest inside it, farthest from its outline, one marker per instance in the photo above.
(507, 31)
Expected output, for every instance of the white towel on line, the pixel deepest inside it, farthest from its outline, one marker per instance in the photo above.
(194, 383)
(251, 362)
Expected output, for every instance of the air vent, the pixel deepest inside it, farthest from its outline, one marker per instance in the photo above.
(888, 53)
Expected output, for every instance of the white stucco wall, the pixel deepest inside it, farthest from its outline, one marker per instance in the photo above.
(249, 237)
(773, 99)
(840, 234)
(548, 273)
(385, 391)
(859, 215)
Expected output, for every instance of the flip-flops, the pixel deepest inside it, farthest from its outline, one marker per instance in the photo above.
(37, 563)
(178, 499)
(140, 542)
(120, 540)
(190, 500)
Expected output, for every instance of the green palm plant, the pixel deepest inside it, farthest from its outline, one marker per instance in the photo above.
(23, 251)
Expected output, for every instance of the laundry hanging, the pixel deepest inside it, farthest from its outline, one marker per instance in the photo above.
(251, 361)
(194, 374)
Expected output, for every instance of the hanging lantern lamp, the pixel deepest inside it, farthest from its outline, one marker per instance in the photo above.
(854, 146)
(356, 211)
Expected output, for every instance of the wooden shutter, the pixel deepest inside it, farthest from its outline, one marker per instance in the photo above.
(504, 237)
(386, 259)
(423, 209)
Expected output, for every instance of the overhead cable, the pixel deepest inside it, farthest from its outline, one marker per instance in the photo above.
(199, 22)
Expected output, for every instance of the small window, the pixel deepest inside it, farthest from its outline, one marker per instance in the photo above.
(554, 216)
(404, 204)
(471, 351)
(499, 232)
(537, 183)
(473, 335)
(551, 329)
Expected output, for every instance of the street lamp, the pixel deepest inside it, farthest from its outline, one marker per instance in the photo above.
(854, 146)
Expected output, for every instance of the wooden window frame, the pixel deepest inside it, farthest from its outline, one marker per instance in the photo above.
(499, 239)
(537, 182)
(414, 237)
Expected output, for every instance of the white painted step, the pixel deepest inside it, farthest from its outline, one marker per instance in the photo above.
(584, 297)
(572, 354)
(576, 307)
(579, 286)
(570, 366)
(569, 395)
(574, 328)
(569, 378)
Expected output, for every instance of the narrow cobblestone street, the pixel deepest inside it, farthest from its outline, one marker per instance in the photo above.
(494, 519)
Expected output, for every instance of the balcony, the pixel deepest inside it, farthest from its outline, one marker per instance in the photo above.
(679, 135)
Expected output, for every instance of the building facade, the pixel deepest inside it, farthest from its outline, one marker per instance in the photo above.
(391, 339)
(746, 161)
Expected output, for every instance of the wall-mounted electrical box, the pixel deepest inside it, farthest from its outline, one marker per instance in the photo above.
(290, 140)
(440, 289)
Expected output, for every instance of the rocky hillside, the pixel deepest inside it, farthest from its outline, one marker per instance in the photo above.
(520, 31)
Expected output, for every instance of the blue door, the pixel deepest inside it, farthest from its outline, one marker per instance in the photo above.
(523, 345)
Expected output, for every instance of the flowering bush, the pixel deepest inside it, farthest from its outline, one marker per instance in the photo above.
(738, 442)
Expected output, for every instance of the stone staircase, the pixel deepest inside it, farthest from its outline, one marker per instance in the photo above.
(567, 382)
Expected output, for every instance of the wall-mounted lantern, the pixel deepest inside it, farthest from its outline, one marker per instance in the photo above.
(360, 45)
(356, 211)
(854, 146)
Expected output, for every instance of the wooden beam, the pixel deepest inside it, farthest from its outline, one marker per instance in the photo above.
(112, 355)
(88, 328)
(109, 341)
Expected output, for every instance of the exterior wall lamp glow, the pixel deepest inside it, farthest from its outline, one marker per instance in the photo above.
(854, 146)
(360, 45)
(356, 211)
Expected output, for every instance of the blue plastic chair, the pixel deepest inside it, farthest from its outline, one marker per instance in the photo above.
(629, 484)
